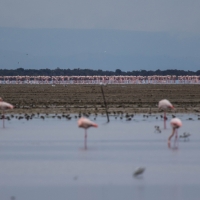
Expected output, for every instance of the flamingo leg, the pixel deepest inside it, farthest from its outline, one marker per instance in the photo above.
(85, 139)
(176, 134)
(176, 139)
(173, 132)
(164, 120)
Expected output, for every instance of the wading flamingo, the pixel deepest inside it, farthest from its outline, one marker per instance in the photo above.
(4, 105)
(86, 123)
(175, 123)
(164, 105)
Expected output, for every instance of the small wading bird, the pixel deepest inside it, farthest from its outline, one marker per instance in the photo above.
(175, 123)
(139, 171)
(86, 123)
(185, 136)
(4, 105)
(164, 105)
(157, 129)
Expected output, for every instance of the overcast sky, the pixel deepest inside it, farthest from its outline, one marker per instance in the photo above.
(138, 15)
(171, 37)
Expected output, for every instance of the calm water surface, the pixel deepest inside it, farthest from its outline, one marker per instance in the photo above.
(45, 159)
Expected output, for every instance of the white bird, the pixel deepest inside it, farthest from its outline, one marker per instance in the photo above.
(175, 123)
(86, 123)
(4, 106)
(164, 105)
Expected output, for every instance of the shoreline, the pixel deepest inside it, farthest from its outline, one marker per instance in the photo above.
(110, 112)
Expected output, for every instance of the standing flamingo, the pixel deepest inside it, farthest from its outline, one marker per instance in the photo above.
(164, 105)
(86, 123)
(175, 123)
(4, 105)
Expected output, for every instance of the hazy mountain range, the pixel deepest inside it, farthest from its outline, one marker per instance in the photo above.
(97, 49)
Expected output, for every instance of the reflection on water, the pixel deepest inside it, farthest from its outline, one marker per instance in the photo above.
(43, 159)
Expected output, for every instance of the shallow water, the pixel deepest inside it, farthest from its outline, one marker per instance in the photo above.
(45, 159)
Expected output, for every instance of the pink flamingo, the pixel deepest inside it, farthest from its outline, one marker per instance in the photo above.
(86, 123)
(175, 123)
(164, 105)
(4, 105)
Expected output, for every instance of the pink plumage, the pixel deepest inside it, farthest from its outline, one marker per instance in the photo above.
(176, 123)
(4, 105)
(86, 123)
(165, 104)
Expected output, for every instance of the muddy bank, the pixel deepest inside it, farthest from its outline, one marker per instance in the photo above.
(88, 98)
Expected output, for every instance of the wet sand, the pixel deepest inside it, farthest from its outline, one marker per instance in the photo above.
(44, 159)
(88, 98)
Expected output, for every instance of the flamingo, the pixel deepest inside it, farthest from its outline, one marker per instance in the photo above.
(164, 105)
(175, 123)
(86, 123)
(4, 105)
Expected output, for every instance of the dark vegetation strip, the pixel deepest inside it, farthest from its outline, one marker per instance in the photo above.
(91, 72)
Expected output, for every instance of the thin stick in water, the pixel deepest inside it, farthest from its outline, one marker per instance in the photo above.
(105, 103)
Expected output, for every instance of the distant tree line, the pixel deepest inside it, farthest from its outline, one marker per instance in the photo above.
(91, 72)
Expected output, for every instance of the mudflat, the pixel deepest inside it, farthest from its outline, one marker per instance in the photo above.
(140, 98)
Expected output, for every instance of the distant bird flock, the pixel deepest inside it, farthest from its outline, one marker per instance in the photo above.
(168, 79)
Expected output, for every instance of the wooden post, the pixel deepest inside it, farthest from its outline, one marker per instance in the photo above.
(105, 103)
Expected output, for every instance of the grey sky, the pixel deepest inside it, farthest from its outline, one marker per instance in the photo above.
(138, 15)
